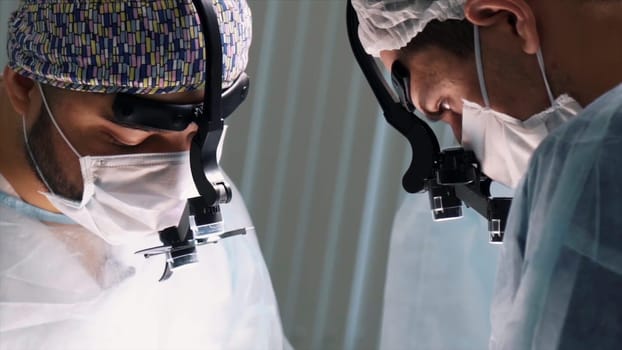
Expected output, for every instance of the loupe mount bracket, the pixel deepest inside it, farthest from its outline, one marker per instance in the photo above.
(458, 180)
(199, 224)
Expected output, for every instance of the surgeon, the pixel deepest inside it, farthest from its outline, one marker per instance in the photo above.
(539, 101)
(80, 193)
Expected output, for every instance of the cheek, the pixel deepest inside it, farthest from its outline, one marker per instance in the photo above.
(455, 122)
(68, 162)
(457, 130)
(90, 139)
(82, 118)
(66, 165)
(59, 165)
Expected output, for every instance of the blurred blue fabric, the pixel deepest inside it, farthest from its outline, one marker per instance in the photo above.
(440, 278)
(560, 275)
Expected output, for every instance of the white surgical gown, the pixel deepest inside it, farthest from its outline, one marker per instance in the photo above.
(559, 284)
(439, 283)
(64, 288)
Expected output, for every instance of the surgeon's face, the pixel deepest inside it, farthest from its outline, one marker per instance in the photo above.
(441, 80)
(86, 119)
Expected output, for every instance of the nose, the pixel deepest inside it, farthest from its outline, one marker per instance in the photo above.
(168, 141)
(180, 140)
(189, 133)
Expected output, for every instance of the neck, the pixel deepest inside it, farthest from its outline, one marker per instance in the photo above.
(588, 54)
(14, 165)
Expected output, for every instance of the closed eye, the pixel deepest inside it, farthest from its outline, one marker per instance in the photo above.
(434, 116)
(440, 111)
(113, 140)
(442, 107)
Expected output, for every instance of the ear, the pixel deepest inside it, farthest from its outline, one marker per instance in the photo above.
(488, 12)
(20, 91)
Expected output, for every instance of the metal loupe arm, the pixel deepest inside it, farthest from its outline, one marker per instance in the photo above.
(452, 176)
(201, 221)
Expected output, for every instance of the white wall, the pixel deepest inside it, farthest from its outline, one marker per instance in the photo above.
(321, 173)
(6, 7)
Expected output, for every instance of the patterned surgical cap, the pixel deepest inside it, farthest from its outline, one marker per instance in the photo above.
(140, 47)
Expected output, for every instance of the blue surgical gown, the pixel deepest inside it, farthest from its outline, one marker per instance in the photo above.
(440, 279)
(559, 283)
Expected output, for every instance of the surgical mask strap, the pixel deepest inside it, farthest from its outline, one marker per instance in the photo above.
(32, 158)
(47, 108)
(480, 69)
(543, 71)
(479, 66)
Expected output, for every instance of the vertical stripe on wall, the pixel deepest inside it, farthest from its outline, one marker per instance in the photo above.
(262, 82)
(320, 171)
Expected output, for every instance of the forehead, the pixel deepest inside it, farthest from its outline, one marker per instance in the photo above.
(388, 57)
(431, 64)
(195, 96)
(186, 97)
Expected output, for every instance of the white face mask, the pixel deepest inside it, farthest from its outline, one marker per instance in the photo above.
(503, 144)
(126, 197)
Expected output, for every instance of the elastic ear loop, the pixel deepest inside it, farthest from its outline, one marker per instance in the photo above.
(480, 69)
(32, 158)
(479, 66)
(543, 71)
(47, 108)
